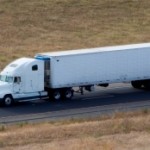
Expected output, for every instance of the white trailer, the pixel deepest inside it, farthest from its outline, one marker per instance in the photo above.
(55, 74)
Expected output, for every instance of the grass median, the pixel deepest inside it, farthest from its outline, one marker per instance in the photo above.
(120, 131)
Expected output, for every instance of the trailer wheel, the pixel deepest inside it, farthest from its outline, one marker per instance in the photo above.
(136, 84)
(67, 93)
(147, 84)
(8, 100)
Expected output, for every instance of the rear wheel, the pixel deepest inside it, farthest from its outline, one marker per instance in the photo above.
(67, 93)
(136, 84)
(55, 95)
(8, 100)
(147, 84)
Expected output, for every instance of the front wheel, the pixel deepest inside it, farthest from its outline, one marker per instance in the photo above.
(8, 100)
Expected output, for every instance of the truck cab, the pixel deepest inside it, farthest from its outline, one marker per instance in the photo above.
(22, 80)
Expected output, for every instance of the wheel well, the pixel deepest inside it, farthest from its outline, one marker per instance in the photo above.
(9, 95)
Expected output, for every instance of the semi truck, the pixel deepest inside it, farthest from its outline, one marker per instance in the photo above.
(54, 75)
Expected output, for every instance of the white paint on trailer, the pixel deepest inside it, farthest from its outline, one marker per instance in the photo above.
(99, 65)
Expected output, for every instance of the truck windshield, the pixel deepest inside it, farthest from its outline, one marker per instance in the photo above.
(6, 78)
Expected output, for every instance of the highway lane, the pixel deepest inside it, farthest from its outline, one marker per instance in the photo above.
(117, 97)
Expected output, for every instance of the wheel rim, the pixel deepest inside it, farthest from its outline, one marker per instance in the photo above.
(8, 101)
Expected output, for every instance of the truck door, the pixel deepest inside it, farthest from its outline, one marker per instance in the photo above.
(17, 86)
(33, 79)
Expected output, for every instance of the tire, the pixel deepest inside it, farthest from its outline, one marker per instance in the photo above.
(136, 84)
(56, 95)
(8, 100)
(67, 94)
(147, 84)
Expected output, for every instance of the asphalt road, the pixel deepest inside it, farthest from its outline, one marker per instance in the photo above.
(117, 97)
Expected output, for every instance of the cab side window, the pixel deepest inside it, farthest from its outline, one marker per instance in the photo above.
(35, 68)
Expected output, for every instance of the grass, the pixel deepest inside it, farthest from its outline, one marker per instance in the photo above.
(106, 133)
(28, 27)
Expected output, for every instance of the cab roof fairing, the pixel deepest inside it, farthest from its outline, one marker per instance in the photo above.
(16, 67)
